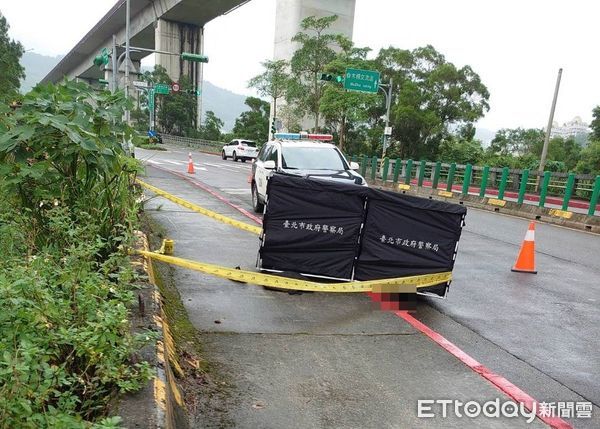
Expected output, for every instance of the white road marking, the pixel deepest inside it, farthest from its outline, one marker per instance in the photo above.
(179, 163)
(151, 161)
(236, 191)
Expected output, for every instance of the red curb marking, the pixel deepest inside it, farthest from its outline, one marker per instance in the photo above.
(213, 193)
(498, 381)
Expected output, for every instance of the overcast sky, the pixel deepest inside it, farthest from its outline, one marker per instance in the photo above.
(516, 46)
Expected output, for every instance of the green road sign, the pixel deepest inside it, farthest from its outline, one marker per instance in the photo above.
(151, 99)
(361, 80)
(162, 88)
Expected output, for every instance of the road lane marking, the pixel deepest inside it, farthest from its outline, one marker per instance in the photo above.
(236, 191)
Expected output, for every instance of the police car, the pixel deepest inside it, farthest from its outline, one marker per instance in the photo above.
(301, 154)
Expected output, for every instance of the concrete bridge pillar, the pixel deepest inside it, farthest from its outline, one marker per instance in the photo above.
(288, 17)
(176, 38)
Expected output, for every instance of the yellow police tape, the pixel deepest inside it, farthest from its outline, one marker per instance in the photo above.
(393, 285)
(227, 220)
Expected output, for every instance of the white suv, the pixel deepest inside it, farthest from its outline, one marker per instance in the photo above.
(239, 149)
(309, 158)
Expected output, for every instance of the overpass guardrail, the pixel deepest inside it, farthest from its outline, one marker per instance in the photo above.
(568, 190)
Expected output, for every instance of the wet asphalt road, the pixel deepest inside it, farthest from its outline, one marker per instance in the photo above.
(317, 360)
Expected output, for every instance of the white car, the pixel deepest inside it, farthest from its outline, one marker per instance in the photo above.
(300, 154)
(240, 149)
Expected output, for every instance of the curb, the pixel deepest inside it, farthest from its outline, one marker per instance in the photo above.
(542, 214)
(160, 404)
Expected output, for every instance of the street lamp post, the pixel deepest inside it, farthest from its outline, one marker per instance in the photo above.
(127, 56)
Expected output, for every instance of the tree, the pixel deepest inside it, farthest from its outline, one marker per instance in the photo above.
(432, 96)
(338, 106)
(175, 112)
(517, 141)
(11, 71)
(309, 60)
(211, 129)
(272, 82)
(460, 150)
(254, 123)
(590, 158)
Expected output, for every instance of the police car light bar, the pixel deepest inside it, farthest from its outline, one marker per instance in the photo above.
(303, 136)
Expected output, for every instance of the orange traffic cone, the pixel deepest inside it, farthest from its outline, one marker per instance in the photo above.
(190, 164)
(526, 260)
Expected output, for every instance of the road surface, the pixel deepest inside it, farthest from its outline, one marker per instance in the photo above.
(318, 360)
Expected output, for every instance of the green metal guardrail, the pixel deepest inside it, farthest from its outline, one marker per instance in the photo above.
(489, 181)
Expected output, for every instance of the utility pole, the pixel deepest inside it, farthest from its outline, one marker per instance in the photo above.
(127, 56)
(115, 71)
(549, 127)
(199, 81)
(388, 105)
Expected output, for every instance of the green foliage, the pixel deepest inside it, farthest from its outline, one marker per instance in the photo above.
(595, 125)
(461, 151)
(175, 112)
(273, 82)
(517, 141)
(210, 129)
(315, 52)
(254, 123)
(64, 146)
(432, 96)
(11, 71)
(66, 207)
(590, 158)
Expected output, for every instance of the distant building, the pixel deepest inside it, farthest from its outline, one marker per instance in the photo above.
(574, 128)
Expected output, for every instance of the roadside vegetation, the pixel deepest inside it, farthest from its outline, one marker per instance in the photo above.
(68, 209)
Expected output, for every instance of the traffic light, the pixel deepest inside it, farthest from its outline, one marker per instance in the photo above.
(103, 82)
(197, 58)
(273, 126)
(102, 59)
(329, 78)
(195, 92)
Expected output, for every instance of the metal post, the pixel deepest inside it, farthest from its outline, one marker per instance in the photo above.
(503, 181)
(568, 191)
(363, 166)
(386, 167)
(373, 168)
(595, 196)
(450, 180)
(467, 179)
(549, 127)
(436, 175)
(115, 70)
(523, 188)
(199, 83)
(484, 180)
(421, 172)
(409, 164)
(397, 166)
(127, 55)
(544, 190)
